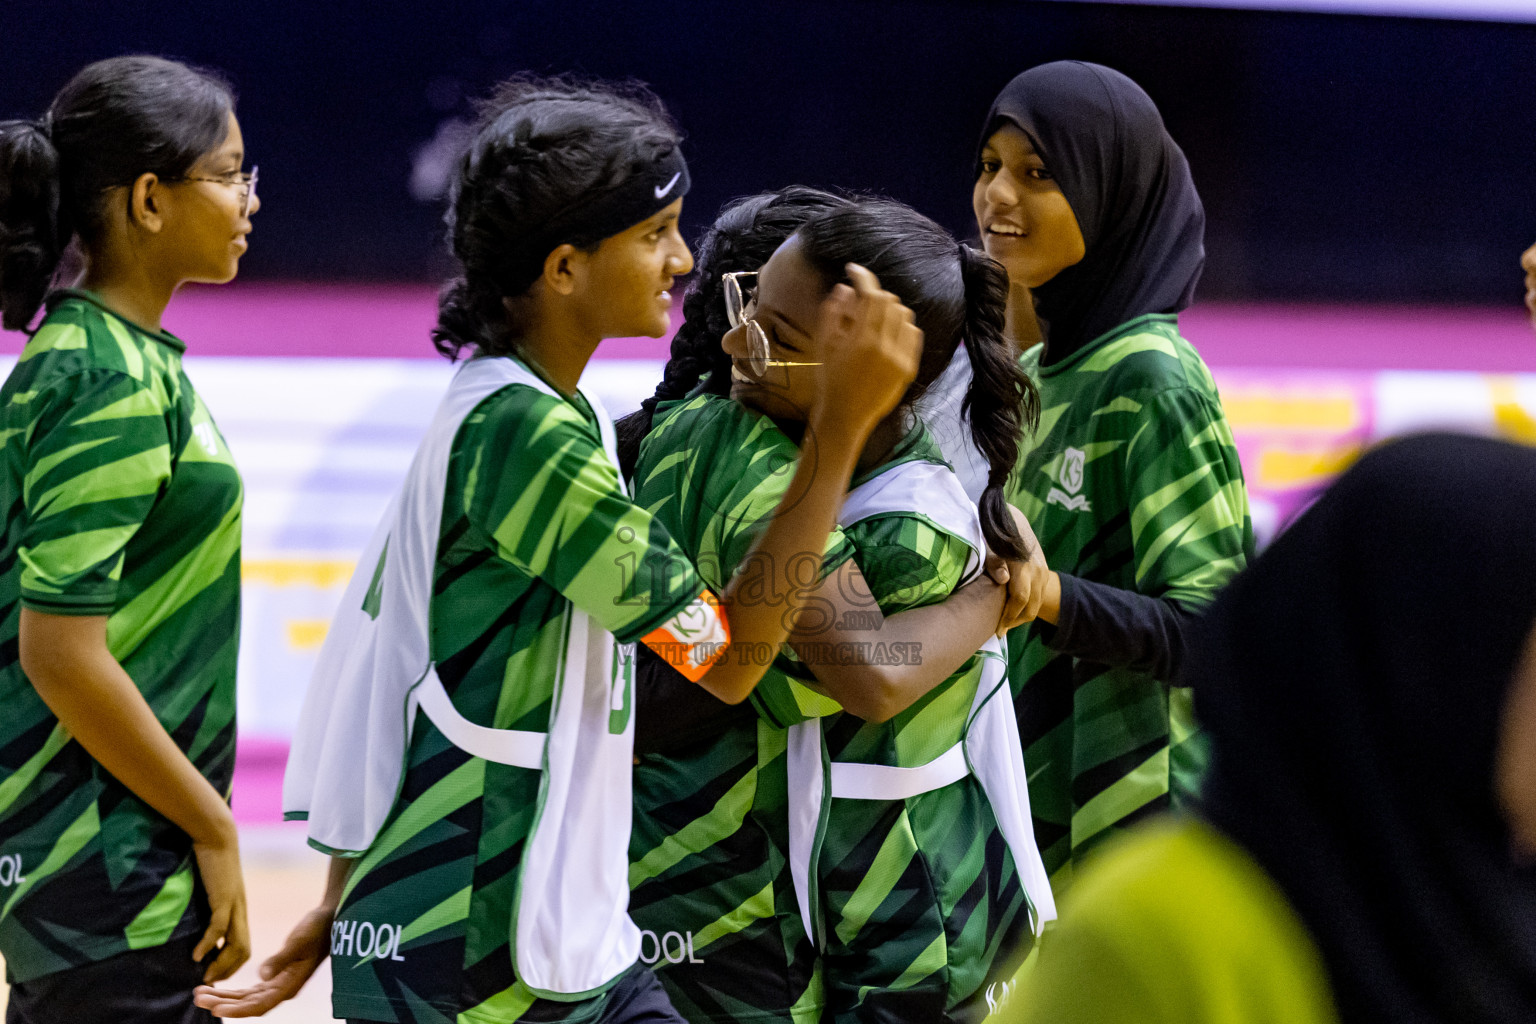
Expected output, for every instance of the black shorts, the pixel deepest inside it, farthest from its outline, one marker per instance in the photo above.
(636, 998)
(141, 986)
(639, 998)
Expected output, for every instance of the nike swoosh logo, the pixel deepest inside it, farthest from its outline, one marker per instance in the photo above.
(662, 190)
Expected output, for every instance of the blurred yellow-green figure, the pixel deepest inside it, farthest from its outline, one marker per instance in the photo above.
(1175, 924)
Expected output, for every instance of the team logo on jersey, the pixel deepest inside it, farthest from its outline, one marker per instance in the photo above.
(10, 870)
(1070, 476)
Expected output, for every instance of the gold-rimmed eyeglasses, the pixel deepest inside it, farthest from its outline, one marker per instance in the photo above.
(739, 299)
(740, 294)
(245, 181)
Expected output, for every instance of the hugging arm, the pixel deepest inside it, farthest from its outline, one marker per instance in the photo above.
(673, 713)
(942, 636)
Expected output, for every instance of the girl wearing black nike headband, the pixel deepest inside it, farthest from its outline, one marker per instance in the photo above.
(476, 643)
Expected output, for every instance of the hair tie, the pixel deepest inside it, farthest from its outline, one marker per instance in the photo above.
(44, 125)
(965, 252)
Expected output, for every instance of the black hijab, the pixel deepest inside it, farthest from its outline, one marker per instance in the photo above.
(1143, 226)
(1353, 681)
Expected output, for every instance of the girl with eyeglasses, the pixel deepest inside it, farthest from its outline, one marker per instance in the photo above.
(465, 750)
(720, 919)
(890, 885)
(120, 558)
(1133, 482)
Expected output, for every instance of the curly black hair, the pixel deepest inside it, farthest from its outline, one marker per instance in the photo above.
(540, 145)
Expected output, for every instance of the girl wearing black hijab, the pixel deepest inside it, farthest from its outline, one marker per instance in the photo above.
(1364, 850)
(1132, 481)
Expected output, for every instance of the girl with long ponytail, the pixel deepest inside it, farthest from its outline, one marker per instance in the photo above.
(119, 553)
(887, 684)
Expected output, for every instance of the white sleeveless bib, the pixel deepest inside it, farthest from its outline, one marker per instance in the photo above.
(571, 931)
(991, 749)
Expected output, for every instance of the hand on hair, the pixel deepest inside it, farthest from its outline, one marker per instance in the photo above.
(870, 351)
(1028, 580)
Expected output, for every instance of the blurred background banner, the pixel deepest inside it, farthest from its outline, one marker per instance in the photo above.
(324, 442)
(1369, 182)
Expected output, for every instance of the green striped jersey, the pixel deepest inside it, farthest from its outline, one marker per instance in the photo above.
(922, 901)
(789, 694)
(710, 848)
(535, 522)
(1132, 480)
(710, 843)
(121, 501)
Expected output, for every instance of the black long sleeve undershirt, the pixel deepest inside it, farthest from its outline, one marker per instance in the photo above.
(1122, 628)
(672, 713)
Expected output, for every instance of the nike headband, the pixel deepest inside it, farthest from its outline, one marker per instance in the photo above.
(604, 213)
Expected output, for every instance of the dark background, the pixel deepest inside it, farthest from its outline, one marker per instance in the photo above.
(1340, 157)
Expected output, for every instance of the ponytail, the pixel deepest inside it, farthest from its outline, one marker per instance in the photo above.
(1002, 400)
(469, 316)
(32, 235)
(956, 295)
(115, 120)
